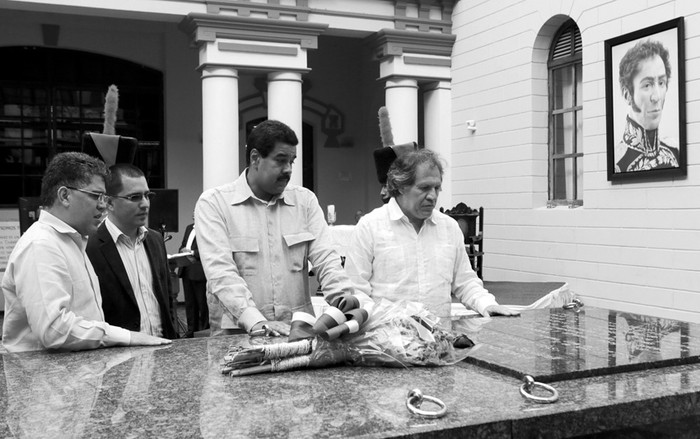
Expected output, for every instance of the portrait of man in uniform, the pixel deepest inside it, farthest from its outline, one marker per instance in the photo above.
(644, 95)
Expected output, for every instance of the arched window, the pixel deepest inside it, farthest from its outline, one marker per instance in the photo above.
(566, 118)
(49, 97)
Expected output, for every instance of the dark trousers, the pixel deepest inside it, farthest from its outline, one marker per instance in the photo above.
(196, 308)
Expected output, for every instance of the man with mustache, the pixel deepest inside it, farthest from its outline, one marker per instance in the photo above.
(256, 236)
(645, 72)
(130, 259)
(407, 250)
(52, 295)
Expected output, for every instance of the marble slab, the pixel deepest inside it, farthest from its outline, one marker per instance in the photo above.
(179, 391)
(558, 344)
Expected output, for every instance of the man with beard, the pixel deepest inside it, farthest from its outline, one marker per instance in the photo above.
(645, 72)
(256, 236)
(130, 259)
(407, 250)
(52, 295)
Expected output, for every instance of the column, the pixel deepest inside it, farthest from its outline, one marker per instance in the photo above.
(437, 101)
(220, 125)
(401, 96)
(285, 104)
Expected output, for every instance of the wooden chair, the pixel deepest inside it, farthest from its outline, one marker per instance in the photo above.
(471, 222)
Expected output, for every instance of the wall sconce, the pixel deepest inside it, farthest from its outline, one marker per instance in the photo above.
(471, 125)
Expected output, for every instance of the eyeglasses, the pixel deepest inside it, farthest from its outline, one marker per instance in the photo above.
(100, 197)
(135, 198)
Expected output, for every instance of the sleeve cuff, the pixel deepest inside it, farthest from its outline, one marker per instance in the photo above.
(250, 317)
(484, 302)
(116, 336)
(363, 298)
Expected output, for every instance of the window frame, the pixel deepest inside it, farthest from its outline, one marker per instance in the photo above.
(63, 122)
(573, 59)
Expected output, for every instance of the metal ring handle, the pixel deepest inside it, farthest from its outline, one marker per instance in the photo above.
(528, 386)
(414, 400)
(574, 304)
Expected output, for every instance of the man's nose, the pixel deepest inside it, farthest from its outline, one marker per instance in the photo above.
(655, 93)
(433, 194)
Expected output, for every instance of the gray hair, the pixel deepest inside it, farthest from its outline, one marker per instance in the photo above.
(402, 172)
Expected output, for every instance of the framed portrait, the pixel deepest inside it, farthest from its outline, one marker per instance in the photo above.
(645, 103)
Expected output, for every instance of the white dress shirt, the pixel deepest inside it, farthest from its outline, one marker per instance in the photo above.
(138, 268)
(388, 259)
(52, 294)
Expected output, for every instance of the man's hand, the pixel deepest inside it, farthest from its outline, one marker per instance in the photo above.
(499, 310)
(141, 339)
(270, 328)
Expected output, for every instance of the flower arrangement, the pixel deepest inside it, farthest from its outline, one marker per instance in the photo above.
(394, 334)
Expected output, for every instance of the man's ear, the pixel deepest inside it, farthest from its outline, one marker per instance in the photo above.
(110, 204)
(63, 196)
(627, 95)
(254, 158)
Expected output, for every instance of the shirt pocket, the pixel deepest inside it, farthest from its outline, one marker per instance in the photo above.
(245, 253)
(298, 249)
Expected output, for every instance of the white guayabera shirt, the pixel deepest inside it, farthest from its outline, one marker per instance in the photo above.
(388, 259)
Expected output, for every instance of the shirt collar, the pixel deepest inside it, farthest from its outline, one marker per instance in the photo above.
(56, 223)
(242, 192)
(115, 233)
(395, 212)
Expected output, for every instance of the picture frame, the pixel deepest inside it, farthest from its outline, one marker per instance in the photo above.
(646, 133)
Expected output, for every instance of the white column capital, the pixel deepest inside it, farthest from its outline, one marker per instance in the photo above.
(284, 76)
(399, 82)
(218, 71)
(437, 85)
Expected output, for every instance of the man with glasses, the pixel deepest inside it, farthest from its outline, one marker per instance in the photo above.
(52, 294)
(130, 259)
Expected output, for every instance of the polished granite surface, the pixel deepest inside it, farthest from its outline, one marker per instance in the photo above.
(518, 293)
(178, 391)
(557, 344)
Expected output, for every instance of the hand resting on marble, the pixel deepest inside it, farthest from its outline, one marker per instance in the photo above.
(499, 310)
(271, 328)
(143, 339)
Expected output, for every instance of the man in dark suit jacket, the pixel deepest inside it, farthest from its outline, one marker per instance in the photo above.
(195, 285)
(130, 260)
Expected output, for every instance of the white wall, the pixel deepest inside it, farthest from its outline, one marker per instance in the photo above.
(632, 245)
